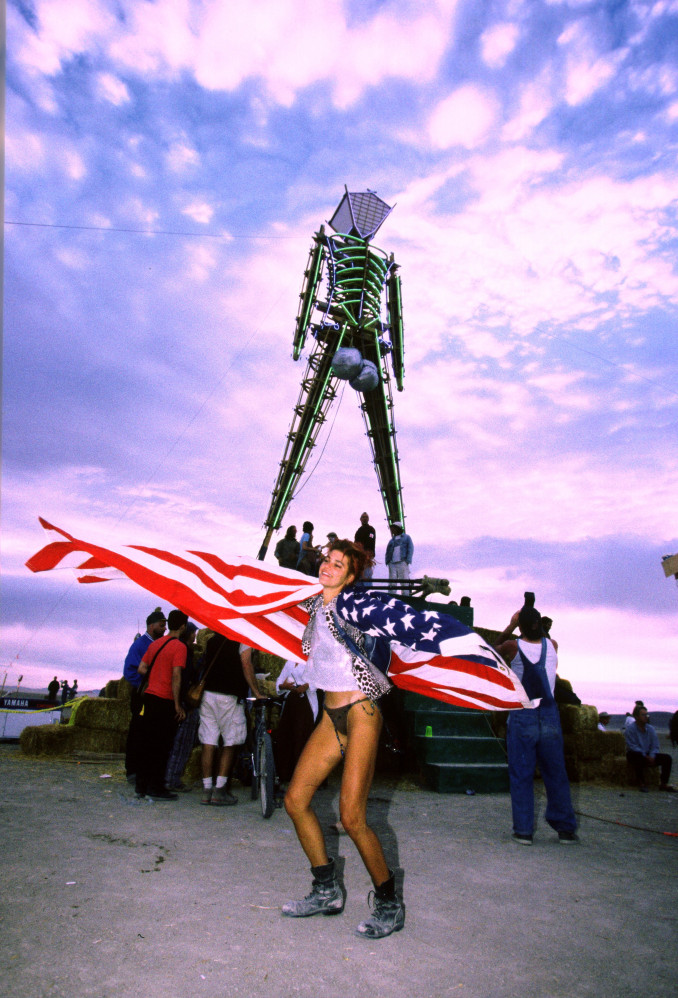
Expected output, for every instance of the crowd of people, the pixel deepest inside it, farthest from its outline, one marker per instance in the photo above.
(307, 557)
(67, 692)
(332, 713)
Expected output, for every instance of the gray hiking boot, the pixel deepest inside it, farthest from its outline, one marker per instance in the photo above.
(326, 897)
(388, 914)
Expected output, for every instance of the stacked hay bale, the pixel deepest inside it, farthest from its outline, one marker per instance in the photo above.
(591, 754)
(95, 725)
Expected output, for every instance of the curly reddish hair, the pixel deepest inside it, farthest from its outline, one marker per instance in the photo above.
(357, 557)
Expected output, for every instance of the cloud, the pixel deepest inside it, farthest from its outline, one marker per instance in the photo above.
(497, 42)
(199, 211)
(113, 89)
(63, 29)
(182, 155)
(149, 384)
(586, 71)
(223, 45)
(462, 119)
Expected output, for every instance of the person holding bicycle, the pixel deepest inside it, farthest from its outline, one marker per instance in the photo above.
(349, 728)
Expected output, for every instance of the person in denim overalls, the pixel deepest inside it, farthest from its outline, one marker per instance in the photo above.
(534, 735)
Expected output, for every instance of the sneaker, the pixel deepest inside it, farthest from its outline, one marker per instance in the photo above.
(522, 840)
(667, 788)
(567, 837)
(206, 795)
(221, 796)
(388, 915)
(643, 789)
(324, 899)
(161, 795)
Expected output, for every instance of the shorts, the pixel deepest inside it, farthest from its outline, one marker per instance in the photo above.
(221, 714)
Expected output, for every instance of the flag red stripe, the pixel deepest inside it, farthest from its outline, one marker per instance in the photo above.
(489, 673)
(451, 694)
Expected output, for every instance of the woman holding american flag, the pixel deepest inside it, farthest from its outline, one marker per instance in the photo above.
(349, 728)
(328, 620)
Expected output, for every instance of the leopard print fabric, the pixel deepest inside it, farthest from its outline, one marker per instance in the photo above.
(370, 680)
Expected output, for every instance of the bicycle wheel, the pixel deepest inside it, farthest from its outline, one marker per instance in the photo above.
(254, 762)
(266, 775)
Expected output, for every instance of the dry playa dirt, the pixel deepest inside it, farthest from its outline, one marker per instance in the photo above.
(107, 897)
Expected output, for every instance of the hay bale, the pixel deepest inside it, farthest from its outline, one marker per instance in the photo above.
(97, 740)
(63, 739)
(575, 719)
(117, 689)
(269, 663)
(46, 739)
(101, 713)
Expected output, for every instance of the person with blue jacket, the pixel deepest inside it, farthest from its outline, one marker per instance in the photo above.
(399, 554)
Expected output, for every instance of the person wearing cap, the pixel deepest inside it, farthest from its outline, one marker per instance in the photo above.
(163, 664)
(399, 553)
(603, 721)
(155, 628)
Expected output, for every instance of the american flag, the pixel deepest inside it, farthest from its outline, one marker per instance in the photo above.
(431, 652)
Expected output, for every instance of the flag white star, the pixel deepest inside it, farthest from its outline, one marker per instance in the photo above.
(407, 621)
(389, 627)
(428, 614)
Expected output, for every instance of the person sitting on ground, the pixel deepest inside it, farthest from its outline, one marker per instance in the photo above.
(642, 749)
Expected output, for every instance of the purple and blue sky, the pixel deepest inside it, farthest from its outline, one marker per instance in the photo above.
(166, 166)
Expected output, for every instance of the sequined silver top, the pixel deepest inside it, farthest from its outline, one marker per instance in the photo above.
(329, 661)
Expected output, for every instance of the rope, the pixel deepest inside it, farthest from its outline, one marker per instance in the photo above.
(626, 824)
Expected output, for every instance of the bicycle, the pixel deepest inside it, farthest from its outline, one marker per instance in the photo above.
(261, 754)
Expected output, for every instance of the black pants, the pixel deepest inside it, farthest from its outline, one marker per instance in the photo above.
(133, 746)
(158, 727)
(639, 762)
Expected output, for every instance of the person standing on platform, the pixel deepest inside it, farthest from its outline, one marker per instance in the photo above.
(399, 554)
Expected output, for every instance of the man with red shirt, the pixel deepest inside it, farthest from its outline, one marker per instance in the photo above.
(162, 662)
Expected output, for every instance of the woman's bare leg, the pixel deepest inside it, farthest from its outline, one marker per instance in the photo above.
(364, 728)
(320, 756)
